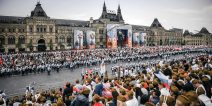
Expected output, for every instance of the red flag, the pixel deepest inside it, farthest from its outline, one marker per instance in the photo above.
(1, 61)
(90, 71)
(12, 61)
(164, 79)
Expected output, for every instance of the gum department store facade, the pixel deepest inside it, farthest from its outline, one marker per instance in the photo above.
(38, 32)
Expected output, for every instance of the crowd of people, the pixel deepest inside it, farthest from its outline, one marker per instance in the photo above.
(25, 63)
(184, 81)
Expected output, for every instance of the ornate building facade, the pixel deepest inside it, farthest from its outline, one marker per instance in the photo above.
(203, 37)
(39, 32)
(107, 17)
(159, 36)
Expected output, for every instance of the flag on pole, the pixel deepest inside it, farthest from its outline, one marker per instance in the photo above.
(12, 61)
(1, 61)
(90, 71)
(164, 79)
(102, 67)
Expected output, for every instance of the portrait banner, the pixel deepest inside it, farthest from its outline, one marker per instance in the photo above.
(90, 39)
(78, 39)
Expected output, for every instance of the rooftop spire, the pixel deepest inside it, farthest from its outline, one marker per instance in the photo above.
(104, 7)
(38, 3)
(186, 33)
(38, 11)
(156, 23)
(119, 15)
(204, 30)
(119, 9)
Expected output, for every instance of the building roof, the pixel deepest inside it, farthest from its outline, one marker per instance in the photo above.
(186, 33)
(156, 23)
(97, 21)
(204, 31)
(111, 15)
(73, 23)
(59, 22)
(38, 11)
(11, 19)
(176, 30)
(140, 27)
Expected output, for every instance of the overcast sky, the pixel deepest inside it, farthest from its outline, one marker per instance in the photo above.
(185, 14)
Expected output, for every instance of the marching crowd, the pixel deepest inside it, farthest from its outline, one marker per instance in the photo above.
(25, 63)
(185, 81)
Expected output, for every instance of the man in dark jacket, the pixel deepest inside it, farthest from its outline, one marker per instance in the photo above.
(188, 86)
(167, 71)
(67, 91)
(82, 98)
(99, 87)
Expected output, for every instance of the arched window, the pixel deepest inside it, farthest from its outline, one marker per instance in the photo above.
(2, 40)
(11, 40)
(69, 40)
(62, 39)
(21, 39)
(56, 39)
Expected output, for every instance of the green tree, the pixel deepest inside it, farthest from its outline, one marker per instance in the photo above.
(50, 44)
(1, 45)
(161, 42)
(104, 42)
(30, 46)
(183, 42)
(69, 43)
(18, 44)
(97, 44)
(60, 43)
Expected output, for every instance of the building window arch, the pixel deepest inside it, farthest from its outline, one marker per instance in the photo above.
(56, 39)
(11, 40)
(2, 40)
(21, 39)
(69, 40)
(30, 28)
(62, 39)
(50, 29)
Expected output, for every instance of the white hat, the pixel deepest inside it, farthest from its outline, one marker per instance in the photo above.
(165, 92)
(138, 85)
(205, 100)
(209, 77)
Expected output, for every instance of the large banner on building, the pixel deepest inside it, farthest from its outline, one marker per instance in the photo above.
(111, 36)
(142, 39)
(119, 35)
(78, 39)
(124, 31)
(136, 39)
(90, 39)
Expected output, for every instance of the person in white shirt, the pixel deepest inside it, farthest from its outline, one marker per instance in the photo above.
(198, 85)
(194, 66)
(132, 99)
(90, 87)
(78, 85)
(203, 98)
(164, 91)
(106, 84)
(126, 72)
